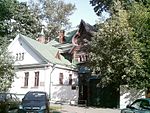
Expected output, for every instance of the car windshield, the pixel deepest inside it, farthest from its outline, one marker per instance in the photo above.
(2, 96)
(34, 96)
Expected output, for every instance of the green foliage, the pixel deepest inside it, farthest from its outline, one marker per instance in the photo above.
(120, 50)
(6, 13)
(24, 22)
(16, 18)
(6, 67)
(140, 21)
(115, 52)
(110, 5)
(6, 9)
(55, 13)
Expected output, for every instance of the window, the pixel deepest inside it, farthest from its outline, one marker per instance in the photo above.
(8, 96)
(16, 56)
(26, 78)
(19, 56)
(14, 98)
(73, 87)
(22, 56)
(136, 104)
(61, 78)
(36, 82)
(145, 104)
(70, 79)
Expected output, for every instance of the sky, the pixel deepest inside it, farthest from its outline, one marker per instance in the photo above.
(84, 11)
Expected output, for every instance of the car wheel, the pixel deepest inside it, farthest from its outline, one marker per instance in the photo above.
(6, 110)
(46, 111)
(123, 112)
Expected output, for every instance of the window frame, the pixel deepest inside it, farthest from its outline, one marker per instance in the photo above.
(36, 79)
(26, 79)
(61, 77)
(70, 79)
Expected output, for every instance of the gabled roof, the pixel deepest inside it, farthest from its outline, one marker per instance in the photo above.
(45, 51)
(70, 35)
(64, 47)
(53, 42)
(89, 28)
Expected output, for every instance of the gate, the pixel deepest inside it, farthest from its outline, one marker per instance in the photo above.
(98, 96)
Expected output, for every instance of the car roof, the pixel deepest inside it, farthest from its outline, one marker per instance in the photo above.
(36, 92)
(148, 99)
(6, 93)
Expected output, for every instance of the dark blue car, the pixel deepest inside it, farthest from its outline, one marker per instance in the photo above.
(138, 106)
(34, 102)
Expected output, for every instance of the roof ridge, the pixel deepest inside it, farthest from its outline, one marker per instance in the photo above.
(46, 51)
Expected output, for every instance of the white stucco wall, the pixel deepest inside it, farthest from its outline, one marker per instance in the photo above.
(48, 75)
(128, 96)
(29, 56)
(18, 84)
(56, 91)
(63, 92)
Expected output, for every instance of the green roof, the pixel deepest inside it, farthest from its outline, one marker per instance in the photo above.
(67, 46)
(69, 36)
(47, 51)
(53, 42)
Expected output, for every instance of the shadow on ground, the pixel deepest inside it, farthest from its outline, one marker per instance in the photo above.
(55, 112)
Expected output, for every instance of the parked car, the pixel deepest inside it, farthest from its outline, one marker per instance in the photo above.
(9, 102)
(138, 106)
(34, 102)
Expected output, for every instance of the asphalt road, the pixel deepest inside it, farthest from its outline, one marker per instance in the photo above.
(77, 109)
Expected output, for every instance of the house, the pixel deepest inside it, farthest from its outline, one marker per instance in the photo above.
(58, 67)
(71, 45)
(90, 92)
(41, 67)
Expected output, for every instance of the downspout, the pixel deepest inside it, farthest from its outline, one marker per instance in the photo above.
(53, 67)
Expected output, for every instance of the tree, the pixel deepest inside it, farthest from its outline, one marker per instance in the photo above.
(55, 13)
(6, 67)
(28, 19)
(17, 18)
(140, 21)
(130, 65)
(6, 13)
(114, 53)
(24, 22)
(109, 5)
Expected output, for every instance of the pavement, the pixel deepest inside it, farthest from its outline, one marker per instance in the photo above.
(77, 109)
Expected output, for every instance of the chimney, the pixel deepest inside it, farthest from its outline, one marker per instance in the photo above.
(41, 36)
(62, 36)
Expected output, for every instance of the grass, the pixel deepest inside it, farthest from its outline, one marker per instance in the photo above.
(55, 109)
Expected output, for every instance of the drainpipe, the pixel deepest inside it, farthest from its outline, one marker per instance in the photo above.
(53, 67)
